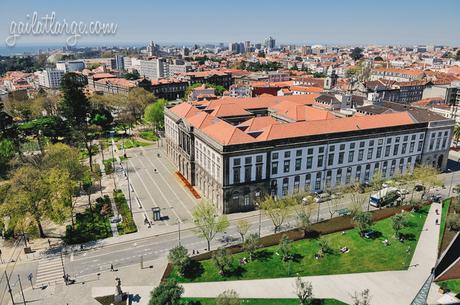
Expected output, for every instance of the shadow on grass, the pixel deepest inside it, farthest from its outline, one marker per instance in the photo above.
(408, 236)
(296, 257)
(194, 270)
(262, 255)
(236, 272)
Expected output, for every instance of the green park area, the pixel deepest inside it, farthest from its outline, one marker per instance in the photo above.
(203, 301)
(451, 285)
(362, 255)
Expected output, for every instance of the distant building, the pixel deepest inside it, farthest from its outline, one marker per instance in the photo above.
(211, 77)
(169, 89)
(70, 66)
(153, 49)
(270, 43)
(399, 75)
(50, 78)
(154, 68)
(119, 63)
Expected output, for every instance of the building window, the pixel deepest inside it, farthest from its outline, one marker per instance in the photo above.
(287, 154)
(247, 160)
(285, 186)
(420, 146)
(309, 162)
(310, 151)
(330, 159)
(342, 146)
(352, 145)
(361, 144)
(328, 178)
(370, 151)
(246, 200)
(338, 177)
(351, 155)
(298, 153)
(395, 149)
(236, 175)
(247, 173)
(318, 181)
(287, 165)
(259, 159)
(258, 171)
(298, 164)
(403, 148)
(320, 160)
(380, 142)
(348, 176)
(236, 198)
(236, 162)
(360, 155)
(275, 168)
(341, 156)
(275, 156)
(296, 184)
(387, 150)
(307, 182)
(331, 148)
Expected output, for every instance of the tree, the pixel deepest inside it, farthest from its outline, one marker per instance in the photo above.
(456, 133)
(167, 293)
(242, 227)
(208, 222)
(303, 213)
(363, 221)
(228, 297)
(154, 114)
(333, 206)
(74, 106)
(324, 247)
(427, 176)
(223, 261)
(399, 222)
(7, 153)
(251, 244)
(356, 54)
(285, 248)
(303, 291)
(358, 199)
(179, 258)
(36, 194)
(362, 298)
(277, 210)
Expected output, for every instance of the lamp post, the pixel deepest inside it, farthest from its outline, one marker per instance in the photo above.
(260, 217)
(129, 187)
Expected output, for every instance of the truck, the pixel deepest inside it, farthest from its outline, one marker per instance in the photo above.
(385, 196)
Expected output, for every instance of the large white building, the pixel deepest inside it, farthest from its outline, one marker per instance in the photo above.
(50, 78)
(70, 66)
(237, 150)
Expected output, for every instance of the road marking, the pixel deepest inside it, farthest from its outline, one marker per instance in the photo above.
(49, 271)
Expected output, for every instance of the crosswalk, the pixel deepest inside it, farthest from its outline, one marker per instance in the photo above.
(49, 272)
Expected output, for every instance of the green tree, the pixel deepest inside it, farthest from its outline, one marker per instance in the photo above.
(303, 291)
(7, 153)
(363, 221)
(154, 114)
(228, 297)
(285, 248)
(324, 247)
(276, 210)
(223, 261)
(74, 106)
(303, 213)
(251, 244)
(356, 54)
(37, 195)
(208, 222)
(167, 293)
(399, 222)
(179, 258)
(242, 227)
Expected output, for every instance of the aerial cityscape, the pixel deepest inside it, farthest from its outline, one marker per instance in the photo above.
(230, 153)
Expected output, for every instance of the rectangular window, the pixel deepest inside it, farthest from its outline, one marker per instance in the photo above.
(403, 148)
(287, 154)
(395, 149)
(321, 149)
(332, 148)
(352, 145)
(320, 160)
(342, 146)
(370, 151)
(330, 160)
(298, 164)
(247, 160)
(387, 150)
(360, 155)
(341, 157)
(247, 173)
(275, 156)
(371, 143)
(236, 161)
(310, 151)
(298, 153)
(379, 152)
(351, 155)
(275, 168)
(236, 175)
(309, 162)
(259, 159)
(380, 141)
(258, 171)
(287, 166)
(361, 144)
(307, 182)
(420, 146)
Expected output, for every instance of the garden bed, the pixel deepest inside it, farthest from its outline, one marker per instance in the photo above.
(127, 224)
(148, 135)
(205, 301)
(447, 235)
(365, 255)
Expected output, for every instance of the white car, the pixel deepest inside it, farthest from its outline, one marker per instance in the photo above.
(322, 197)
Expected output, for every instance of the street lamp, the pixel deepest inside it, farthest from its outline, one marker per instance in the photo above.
(260, 216)
(129, 187)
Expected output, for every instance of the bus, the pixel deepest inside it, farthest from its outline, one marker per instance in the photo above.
(383, 197)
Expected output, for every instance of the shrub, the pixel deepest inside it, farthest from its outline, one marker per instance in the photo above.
(178, 256)
(223, 261)
(108, 167)
(453, 222)
(228, 297)
(127, 225)
(285, 248)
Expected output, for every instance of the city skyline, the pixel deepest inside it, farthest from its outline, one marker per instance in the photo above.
(335, 22)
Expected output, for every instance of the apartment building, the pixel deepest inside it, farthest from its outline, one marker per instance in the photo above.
(236, 151)
(50, 78)
(396, 74)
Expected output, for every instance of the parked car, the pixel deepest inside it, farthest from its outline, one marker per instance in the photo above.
(436, 198)
(419, 188)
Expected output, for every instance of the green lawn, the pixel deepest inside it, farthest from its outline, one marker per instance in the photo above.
(365, 255)
(452, 285)
(203, 301)
(131, 143)
(148, 135)
(127, 225)
(445, 209)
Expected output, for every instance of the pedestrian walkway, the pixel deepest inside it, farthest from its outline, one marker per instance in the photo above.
(49, 272)
(386, 288)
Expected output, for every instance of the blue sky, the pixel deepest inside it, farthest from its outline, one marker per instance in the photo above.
(334, 21)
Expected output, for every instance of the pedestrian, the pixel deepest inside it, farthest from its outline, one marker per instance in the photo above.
(49, 242)
(111, 267)
(193, 251)
(437, 221)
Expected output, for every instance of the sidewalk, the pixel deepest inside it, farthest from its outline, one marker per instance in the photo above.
(389, 287)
